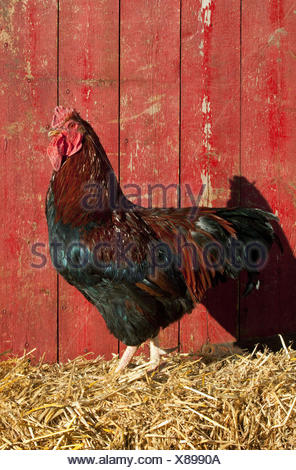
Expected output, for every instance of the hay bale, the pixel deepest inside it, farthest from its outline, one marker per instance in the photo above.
(246, 401)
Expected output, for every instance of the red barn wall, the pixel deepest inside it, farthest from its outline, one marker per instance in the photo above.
(187, 92)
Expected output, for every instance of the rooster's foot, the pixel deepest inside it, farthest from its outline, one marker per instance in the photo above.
(156, 352)
(126, 358)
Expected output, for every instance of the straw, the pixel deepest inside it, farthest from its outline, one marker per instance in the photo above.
(244, 401)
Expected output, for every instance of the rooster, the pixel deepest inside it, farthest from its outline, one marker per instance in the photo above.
(143, 268)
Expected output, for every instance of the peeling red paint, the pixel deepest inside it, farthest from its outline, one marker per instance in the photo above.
(237, 137)
(268, 143)
(28, 318)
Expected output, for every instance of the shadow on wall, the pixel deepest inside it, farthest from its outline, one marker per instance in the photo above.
(271, 309)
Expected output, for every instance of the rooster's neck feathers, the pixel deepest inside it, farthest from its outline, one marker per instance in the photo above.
(85, 188)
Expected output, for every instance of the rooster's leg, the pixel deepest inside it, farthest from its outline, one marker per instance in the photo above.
(126, 358)
(156, 352)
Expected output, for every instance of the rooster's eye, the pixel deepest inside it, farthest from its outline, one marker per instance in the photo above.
(70, 125)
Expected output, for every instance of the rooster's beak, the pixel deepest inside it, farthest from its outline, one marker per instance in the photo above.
(54, 132)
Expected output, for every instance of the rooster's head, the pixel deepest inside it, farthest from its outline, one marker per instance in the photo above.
(67, 135)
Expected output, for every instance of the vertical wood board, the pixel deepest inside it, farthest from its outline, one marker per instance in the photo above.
(88, 81)
(210, 138)
(149, 106)
(28, 90)
(268, 149)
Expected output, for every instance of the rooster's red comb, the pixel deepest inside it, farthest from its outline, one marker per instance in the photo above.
(60, 115)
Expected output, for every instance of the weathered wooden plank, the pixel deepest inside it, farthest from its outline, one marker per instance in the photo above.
(27, 91)
(210, 140)
(88, 48)
(224, 164)
(268, 149)
(194, 160)
(149, 132)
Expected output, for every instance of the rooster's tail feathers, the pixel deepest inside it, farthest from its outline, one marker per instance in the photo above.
(245, 236)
